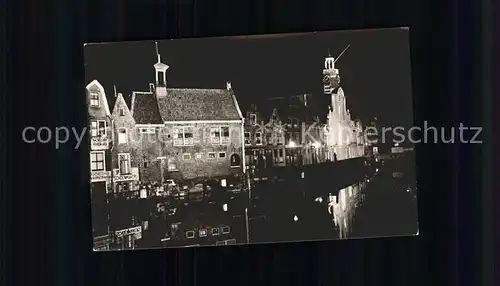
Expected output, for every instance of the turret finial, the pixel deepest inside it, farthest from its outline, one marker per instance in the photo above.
(158, 52)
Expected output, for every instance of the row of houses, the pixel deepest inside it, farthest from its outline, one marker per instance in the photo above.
(187, 134)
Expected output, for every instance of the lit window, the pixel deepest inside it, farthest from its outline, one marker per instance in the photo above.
(122, 136)
(211, 155)
(190, 234)
(188, 135)
(94, 99)
(98, 128)
(186, 156)
(225, 139)
(215, 231)
(183, 136)
(148, 130)
(230, 241)
(172, 166)
(199, 156)
(225, 229)
(97, 161)
(215, 135)
(203, 232)
(124, 163)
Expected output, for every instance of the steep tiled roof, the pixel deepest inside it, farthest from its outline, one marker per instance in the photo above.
(183, 104)
(145, 108)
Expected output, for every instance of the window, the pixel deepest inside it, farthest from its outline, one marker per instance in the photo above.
(258, 138)
(211, 155)
(145, 164)
(183, 136)
(235, 160)
(148, 130)
(97, 161)
(190, 234)
(280, 138)
(225, 139)
(231, 242)
(186, 156)
(122, 136)
(172, 165)
(222, 155)
(253, 119)
(94, 99)
(225, 229)
(124, 163)
(161, 78)
(122, 111)
(203, 232)
(215, 231)
(199, 156)
(248, 139)
(98, 128)
(188, 135)
(215, 135)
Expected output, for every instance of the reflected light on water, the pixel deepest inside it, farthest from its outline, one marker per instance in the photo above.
(343, 210)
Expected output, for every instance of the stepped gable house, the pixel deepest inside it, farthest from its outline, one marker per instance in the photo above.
(180, 133)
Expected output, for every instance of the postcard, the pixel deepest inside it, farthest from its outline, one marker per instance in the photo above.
(251, 139)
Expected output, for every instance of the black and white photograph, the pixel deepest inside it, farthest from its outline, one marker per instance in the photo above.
(251, 139)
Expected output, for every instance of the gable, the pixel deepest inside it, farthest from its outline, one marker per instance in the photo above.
(121, 106)
(95, 86)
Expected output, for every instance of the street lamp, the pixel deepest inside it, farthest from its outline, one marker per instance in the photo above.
(295, 218)
(291, 144)
(316, 145)
(224, 207)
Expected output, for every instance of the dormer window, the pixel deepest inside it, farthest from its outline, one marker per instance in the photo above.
(94, 99)
(122, 111)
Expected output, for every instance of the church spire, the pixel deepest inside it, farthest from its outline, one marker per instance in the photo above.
(158, 53)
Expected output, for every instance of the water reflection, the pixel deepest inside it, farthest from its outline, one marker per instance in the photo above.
(343, 207)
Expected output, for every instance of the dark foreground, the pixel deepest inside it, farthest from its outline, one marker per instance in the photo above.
(376, 199)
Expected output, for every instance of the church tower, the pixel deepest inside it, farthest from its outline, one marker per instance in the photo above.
(161, 75)
(331, 78)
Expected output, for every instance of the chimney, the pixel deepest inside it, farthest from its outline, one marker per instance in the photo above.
(151, 87)
(228, 85)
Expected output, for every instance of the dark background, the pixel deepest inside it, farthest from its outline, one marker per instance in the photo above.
(375, 70)
(45, 208)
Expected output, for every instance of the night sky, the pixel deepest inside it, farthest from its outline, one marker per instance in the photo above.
(375, 71)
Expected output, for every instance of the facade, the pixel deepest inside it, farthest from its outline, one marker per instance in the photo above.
(100, 156)
(125, 151)
(345, 138)
(264, 139)
(177, 133)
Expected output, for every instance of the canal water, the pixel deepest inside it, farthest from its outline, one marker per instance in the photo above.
(382, 204)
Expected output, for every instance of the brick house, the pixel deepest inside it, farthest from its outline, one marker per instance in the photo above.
(100, 156)
(183, 133)
(264, 139)
(125, 149)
